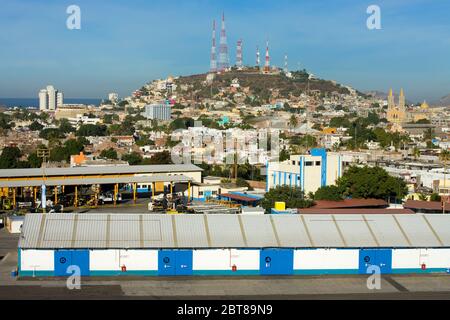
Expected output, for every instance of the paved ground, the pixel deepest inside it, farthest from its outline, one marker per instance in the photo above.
(434, 286)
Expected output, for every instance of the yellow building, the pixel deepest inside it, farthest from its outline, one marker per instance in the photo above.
(396, 113)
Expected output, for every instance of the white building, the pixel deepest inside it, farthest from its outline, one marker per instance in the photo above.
(158, 111)
(50, 99)
(113, 97)
(309, 172)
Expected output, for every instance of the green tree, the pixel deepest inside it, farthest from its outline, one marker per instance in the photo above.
(51, 134)
(59, 154)
(332, 193)
(35, 126)
(110, 153)
(163, 157)
(89, 130)
(65, 126)
(73, 146)
(34, 160)
(293, 122)
(132, 158)
(284, 155)
(294, 197)
(435, 197)
(371, 182)
(9, 158)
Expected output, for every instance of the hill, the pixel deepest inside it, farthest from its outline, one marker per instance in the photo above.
(261, 85)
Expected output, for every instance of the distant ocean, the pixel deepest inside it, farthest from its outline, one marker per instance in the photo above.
(34, 102)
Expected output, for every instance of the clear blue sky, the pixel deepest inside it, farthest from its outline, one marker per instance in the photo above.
(123, 44)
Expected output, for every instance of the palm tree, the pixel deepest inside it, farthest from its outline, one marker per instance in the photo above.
(416, 153)
(293, 122)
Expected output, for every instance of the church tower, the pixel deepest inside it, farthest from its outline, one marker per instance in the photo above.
(401, 101)
(396, 113)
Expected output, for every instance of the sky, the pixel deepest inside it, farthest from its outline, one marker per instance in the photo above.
(124, 44)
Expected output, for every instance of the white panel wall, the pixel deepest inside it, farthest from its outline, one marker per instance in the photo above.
(224, 259)
(139, 259)
(113, 260)
(245, 259)
(414, 258)
(37, 260)
(326, 259)
(211, 260)
(104, 260)
(405, 258)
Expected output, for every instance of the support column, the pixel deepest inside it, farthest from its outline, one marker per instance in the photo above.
(134, 193)
(35, 195)
(189, 191)
(56, 195)
(76, 197)
(116, 191)
(171, 188)
(153, 190)
(14, 197)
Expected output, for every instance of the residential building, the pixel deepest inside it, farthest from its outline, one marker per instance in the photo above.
(50, 99)
(309, 172)
(158, 111)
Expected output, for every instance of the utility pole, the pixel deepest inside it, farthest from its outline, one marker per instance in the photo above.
(44, 154)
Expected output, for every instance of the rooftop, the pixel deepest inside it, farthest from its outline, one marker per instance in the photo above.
(426, 205)
(83, 171)
(349, 203)
(100, 231)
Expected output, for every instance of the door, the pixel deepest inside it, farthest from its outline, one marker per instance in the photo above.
(80, 258)
(63, 259)
(183, 263)
(379, 257)
(166, 263)
(175, 262)
(276, 261)
(66, 258)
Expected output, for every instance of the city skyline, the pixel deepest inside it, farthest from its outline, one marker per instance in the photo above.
(122, 45)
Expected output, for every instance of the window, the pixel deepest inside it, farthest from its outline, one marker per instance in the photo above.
(293, 162)
(308, 163)
(214, 192)
(200, 193)
(317, 163)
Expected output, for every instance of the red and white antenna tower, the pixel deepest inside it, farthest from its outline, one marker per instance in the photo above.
(239, 54)
(258, 60)
(224, 61)
(267, 65)
(213, 67)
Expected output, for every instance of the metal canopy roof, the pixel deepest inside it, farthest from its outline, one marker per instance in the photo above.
(82, 171)
(128, 231)
(69, 181)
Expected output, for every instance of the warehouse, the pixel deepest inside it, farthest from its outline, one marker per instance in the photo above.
(171, 245)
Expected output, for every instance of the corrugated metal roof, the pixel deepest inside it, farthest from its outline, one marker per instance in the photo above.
(161, 168)
(386, 230)
(355, 231)
(69, 181)
(323, 230)
(291, 231)
(225, 231)
(54, 231)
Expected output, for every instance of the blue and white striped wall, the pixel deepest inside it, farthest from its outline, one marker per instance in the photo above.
(202, 262)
